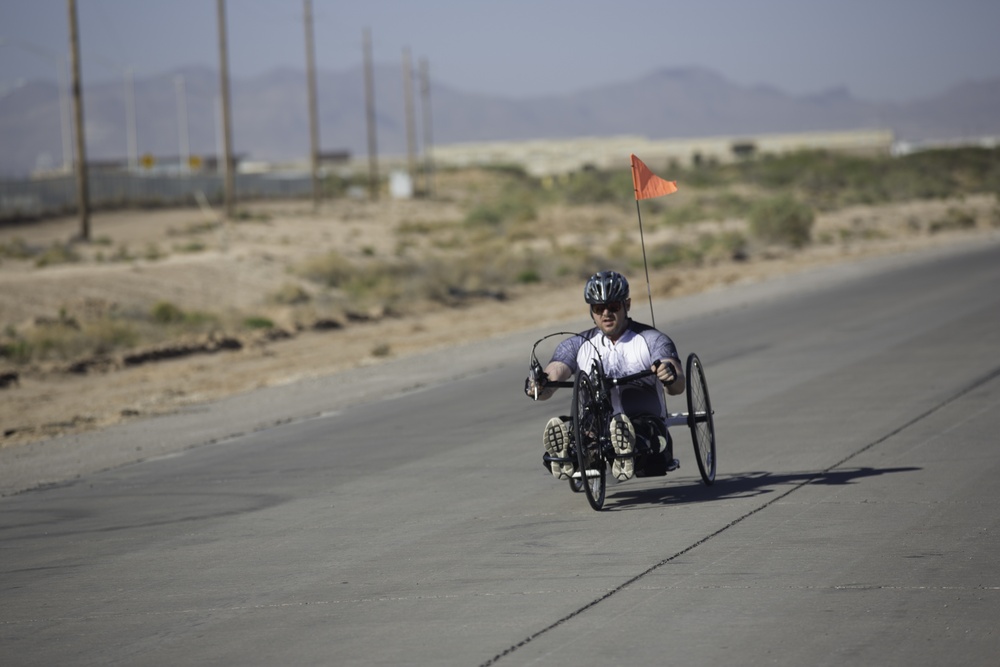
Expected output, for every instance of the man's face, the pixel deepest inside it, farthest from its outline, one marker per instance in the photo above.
(611, 317)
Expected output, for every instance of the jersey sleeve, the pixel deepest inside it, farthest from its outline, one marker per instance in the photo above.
(567, 351)
(660, 345)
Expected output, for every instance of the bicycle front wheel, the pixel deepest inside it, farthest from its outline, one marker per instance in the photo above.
(586, 434)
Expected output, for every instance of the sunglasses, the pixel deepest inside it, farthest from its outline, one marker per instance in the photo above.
(610, 306)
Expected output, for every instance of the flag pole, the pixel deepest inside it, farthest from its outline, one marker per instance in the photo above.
(646, 185)
(642, 242)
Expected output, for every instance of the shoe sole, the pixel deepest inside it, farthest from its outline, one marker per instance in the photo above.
(556, 440)
(622, 437)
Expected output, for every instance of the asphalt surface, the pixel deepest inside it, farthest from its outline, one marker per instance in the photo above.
(400, 514)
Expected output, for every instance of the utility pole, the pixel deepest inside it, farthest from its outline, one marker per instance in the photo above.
(227, 142)
(313, 120)
(67, 130)
(131, 141)
(182, 125)
(370, 116)
(425, 100)
(82, 194)
(411, 131)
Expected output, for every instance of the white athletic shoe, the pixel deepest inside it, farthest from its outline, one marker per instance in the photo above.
(556, 441)
(623, 440)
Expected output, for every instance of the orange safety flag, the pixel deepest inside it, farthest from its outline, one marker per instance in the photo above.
(647, 184)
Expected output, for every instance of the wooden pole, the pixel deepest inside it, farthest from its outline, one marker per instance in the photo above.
(227, 141)
(82, 193)
(425, 99)
(313, 118)
(370, 117)
(411, 129)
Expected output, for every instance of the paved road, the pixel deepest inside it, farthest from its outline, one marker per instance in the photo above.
(856, 518)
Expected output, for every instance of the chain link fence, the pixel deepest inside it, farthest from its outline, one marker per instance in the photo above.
(45, 197)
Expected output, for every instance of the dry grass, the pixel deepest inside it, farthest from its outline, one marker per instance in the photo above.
(395, 275)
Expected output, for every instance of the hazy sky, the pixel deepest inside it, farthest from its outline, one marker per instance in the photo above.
(881, 50)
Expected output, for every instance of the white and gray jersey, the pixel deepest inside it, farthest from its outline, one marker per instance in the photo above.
(634, 351)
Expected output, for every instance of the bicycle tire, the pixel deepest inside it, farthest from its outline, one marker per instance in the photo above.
(586, 435)
(700, 419)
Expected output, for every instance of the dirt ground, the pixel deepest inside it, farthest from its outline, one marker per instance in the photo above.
(236, 265)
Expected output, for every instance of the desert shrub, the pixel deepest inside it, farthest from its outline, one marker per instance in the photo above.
(165, 319)
(488, 215)
(422, 227)
(386, 286)
(17, 248)
(47, 343)
(289, 294)
(190, 247)
(164, 312)
(954, 219)
(667, 254)
(17, 350)
(65, 340)
(244, 215)
(107, 335)
(529, 276)
(707, 175)
(197, 227)
(367, 284)
(691, 212)
(257, 322)
(57, 253)
(122, 254)
(729, 245)
(709, 206)
(946, 172)
(516, 202)
(782, 171)
(153, 252)
(783, 220)
(834, 180)
(510, 170)
(592, 186)
(331, 269)
(727, 204)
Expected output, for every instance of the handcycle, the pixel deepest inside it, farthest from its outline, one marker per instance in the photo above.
(590, 447)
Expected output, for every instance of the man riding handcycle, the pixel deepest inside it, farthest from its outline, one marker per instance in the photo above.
(637, 360)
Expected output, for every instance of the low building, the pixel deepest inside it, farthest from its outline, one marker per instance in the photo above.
(555, 156)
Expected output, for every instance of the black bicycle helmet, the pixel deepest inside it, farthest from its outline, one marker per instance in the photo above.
(606, 286)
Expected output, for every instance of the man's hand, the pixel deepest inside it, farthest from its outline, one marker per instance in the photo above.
(669, 372)
(534, 385)
(538, 385)
(665, 372)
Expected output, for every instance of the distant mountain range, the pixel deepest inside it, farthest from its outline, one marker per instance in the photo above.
(271, 122)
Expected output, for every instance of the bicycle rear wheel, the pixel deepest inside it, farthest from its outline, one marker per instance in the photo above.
(700, 419)
(586, 434)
